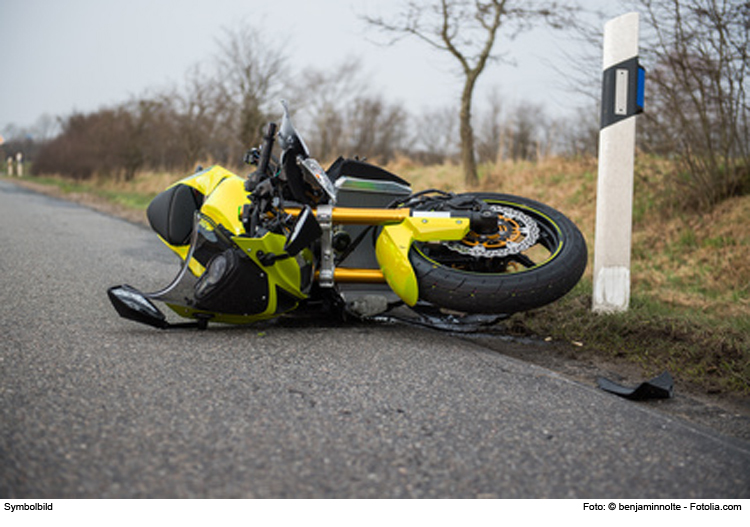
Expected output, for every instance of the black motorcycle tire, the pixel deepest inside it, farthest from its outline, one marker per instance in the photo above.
(508, 292)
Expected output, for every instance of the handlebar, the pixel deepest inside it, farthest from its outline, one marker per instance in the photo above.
(265, 153)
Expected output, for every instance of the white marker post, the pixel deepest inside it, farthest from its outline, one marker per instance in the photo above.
(622, 100)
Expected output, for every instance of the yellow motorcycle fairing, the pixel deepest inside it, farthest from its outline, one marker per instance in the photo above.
(393, 245)
(224, 196)
(286, 273)
(206, 181)
(287, 280)
(223, 192)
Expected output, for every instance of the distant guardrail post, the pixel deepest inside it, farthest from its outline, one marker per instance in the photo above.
(19, 164)
(10, 165)
(622, 99)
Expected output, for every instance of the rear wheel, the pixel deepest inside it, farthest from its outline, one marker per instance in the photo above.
(535, 257)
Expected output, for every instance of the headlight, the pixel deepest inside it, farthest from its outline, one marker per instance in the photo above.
(216, 270)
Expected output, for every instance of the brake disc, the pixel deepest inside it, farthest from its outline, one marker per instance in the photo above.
(518, 233)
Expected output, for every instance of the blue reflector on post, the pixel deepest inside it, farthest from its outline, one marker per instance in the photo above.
(641, 92)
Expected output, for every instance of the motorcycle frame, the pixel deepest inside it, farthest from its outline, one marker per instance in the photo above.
(400, 228)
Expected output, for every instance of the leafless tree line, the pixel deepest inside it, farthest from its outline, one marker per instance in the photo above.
(217, 113)
(467, 31)
(698, 106)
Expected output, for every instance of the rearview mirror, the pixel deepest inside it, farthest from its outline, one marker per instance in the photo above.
(133, 305)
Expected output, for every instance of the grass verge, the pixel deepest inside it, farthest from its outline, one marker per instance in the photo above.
(712, 354)
(126, 198)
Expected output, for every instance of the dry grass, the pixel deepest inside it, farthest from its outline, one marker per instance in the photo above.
(146, 183)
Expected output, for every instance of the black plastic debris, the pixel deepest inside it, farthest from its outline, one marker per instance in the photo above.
(661, 387)
(435, 318)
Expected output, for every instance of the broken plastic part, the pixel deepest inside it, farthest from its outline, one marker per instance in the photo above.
(661, 387)
(368, 306)
(435, 318)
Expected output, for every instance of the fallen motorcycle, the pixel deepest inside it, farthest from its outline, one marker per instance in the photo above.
(353, 239)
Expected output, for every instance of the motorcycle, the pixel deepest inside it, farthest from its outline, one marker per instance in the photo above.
(354, 240)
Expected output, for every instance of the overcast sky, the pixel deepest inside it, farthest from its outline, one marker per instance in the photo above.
(61, 56)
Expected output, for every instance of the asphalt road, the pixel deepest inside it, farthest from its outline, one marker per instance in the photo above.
(92, 405)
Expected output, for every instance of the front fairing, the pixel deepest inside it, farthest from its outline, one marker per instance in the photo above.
(223, 277)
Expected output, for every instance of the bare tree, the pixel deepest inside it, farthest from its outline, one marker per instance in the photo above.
(467, 30)
(436, 134)
(344, 114)
(490, 128)
(698, 93)
(523, 132)
(323, 98)
(375, 127)
(198, 109)
(215, 115)
(251, 73)
(45, 128)
(579, 132)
